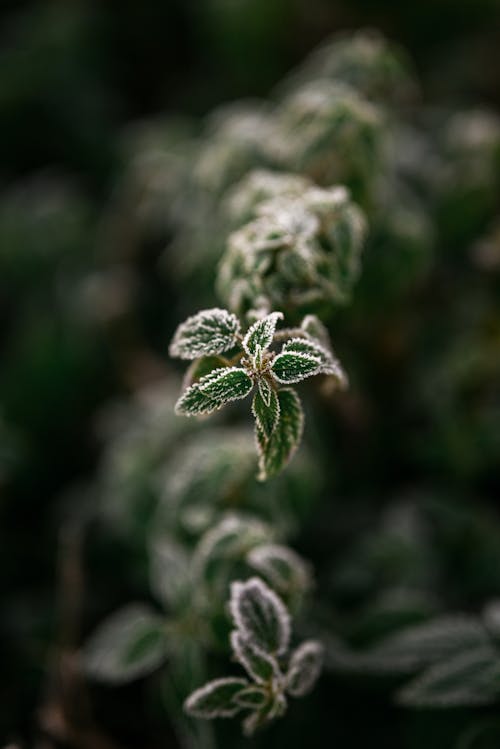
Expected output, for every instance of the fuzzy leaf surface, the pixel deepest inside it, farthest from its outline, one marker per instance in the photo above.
(214, 390)
(207, 333)
(216, 699)
(304, 669)
(281, 566)
(329, 364)
(266, 415)
(276, 451)
(261, 333)
(290, 366)
(259, 665)
(260, 616)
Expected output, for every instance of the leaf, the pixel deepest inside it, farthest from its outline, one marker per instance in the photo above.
(329, 364)
(216, 699)
(312, 325)
(169, 571)
(129, 644)
(304, 669)
(289, 367)
(266, 416)
(214, 390)
(276, 451)
(466, 679)
(261, 333)
(260, 615)
(283, 568)
(265, 390)
(231, 538)
(261, 666)
(201, 367)
(209, 332)
(271, 710)
(252, 697)
(424, 644)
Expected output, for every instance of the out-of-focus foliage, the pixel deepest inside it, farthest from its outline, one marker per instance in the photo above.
(362, 187)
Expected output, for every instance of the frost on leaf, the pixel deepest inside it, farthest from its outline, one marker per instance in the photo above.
(266, 415)
(328, 363)
(252, 697)
(281, 566)
(259, 665)
(207, 333)
(169, 571)
(214, 390)
(216, 699)
(128, 645)
(260, 615)
(290, 366)
(304, 669)
(261, 333)
(276, 451)
(265, 390)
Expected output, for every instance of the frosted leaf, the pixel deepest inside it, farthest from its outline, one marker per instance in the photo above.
(261, 666)
(265, 390)
(260, 615)
(290, 367)
(304, 668)
(329, 364)
(261, 333)
(276, 451)
(271, 710)
(232, 537)
(266, 416)
(252, 697)
(207, 333)
(466, 679)
(312, 325)
(283, 567)
(216, 699)
(214, 390)
(129, 644)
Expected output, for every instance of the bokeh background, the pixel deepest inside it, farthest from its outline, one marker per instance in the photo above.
(87, 305)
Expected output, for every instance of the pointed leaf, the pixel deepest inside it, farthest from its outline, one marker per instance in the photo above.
(276, 451)
(261, 333)
(169, 571)
(261, 666)
(265, 390)
(266, 416)
(216, 699)
(329, 364)
(209, 332)
(304, 669)
(260, 615)
(214, 390)
(129, 644)
(289, 367)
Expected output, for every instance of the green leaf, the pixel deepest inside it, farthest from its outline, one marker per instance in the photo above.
(209, 332)
(466, 679)
(260, 616)
(328, 363)
(276, 451)
(265, 390)
(216, 699)
(289, 367)
(214, 390)
(266, 416)
(130, 644)
(201, 367)
(283, 567)
(261, 333)
(261, 666)
(252, 697)
(304, 669)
